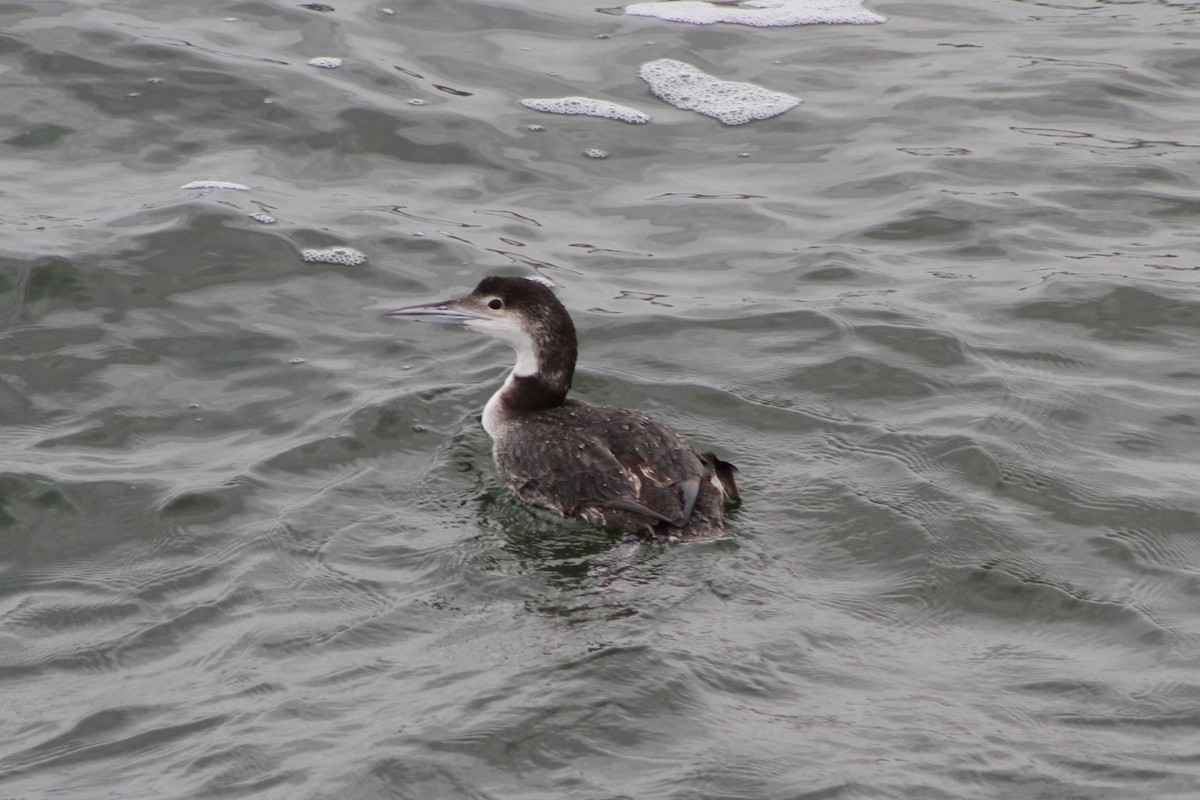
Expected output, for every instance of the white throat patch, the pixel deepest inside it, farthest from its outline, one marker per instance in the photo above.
(509, 331)
(494, 410)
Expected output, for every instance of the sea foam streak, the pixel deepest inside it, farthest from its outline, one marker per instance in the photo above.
(760, 13)
(733, 103)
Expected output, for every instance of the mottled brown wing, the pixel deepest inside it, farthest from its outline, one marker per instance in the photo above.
(587, 463)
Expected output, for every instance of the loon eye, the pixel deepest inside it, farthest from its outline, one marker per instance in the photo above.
(495, 304)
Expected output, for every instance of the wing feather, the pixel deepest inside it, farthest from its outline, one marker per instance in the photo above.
(614, 467)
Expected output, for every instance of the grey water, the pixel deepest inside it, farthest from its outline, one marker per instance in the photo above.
(944, 315)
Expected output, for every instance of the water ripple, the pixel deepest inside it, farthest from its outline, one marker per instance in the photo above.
(942, 315)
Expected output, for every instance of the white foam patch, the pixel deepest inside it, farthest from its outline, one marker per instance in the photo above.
(230, 185)
(587, 107)
(760, 13)
(346, 256)
(731, 102)
(325, 62)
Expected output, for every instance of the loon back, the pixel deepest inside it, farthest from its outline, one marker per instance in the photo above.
(614, 467)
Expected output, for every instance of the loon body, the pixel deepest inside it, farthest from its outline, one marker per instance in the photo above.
(613, 467)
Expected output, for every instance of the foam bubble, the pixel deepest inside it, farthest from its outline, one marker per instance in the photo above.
(760, 13)
(588, 107)
(326, 62)
(346, 256)
(230, 185)
(731, 102)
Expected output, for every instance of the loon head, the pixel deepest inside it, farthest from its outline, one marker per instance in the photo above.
(522, 313)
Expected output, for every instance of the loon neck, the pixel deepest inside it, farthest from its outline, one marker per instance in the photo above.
(522, 394)
(539, 382)
(525, 394)
(543, 339)
(541, 377)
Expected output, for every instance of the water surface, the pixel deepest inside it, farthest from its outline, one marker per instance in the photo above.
(944, 315)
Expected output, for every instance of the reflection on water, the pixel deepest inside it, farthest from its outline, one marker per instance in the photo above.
(942, 315)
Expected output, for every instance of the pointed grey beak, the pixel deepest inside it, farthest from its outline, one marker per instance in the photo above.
(441, 311)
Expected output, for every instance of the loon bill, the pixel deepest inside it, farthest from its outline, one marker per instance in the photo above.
(614, 467)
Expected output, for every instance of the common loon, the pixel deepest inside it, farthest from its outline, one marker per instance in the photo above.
(614, 467)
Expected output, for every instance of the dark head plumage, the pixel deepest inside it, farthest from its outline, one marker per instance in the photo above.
(525, 315)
